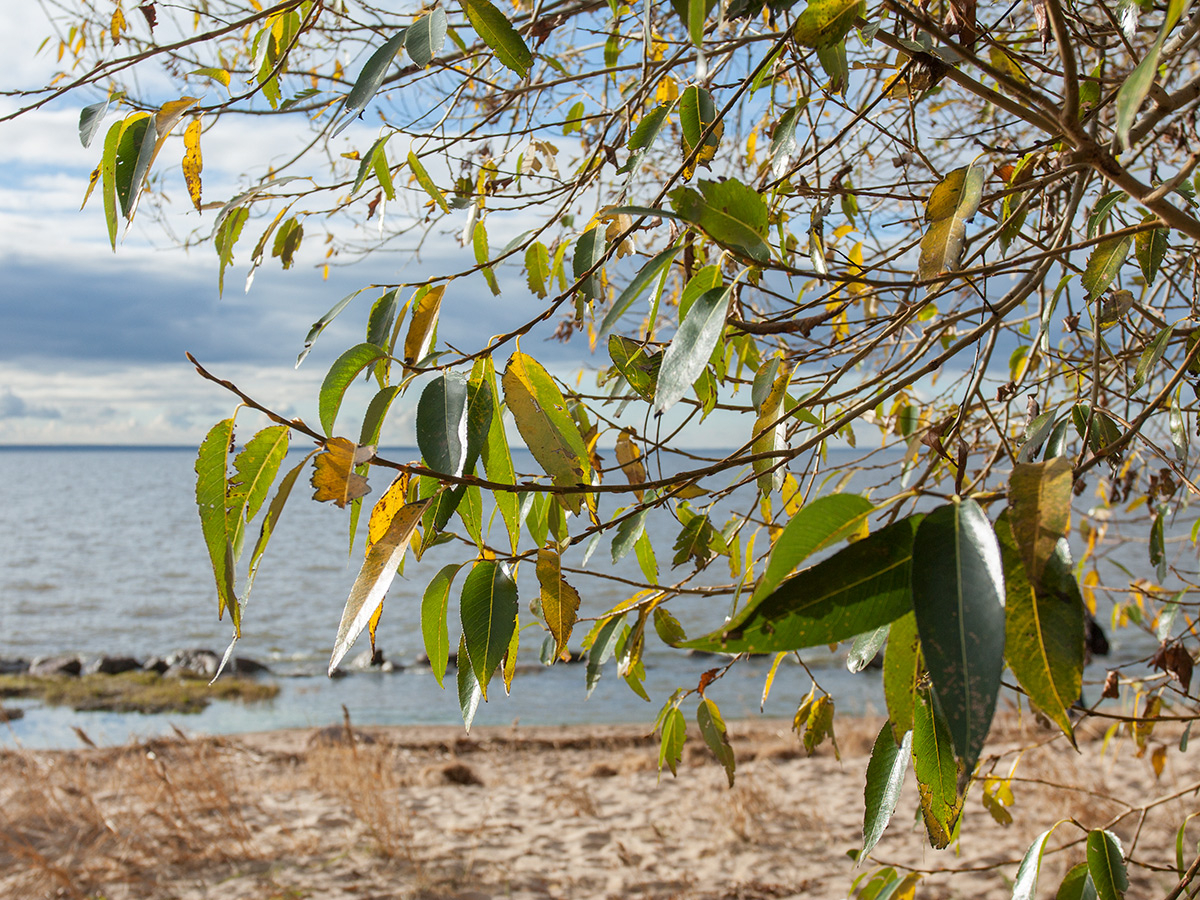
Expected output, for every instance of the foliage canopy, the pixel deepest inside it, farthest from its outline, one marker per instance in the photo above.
(963, 236)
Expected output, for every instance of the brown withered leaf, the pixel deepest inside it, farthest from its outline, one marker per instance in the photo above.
(1042, 17)
(705, 680)
(1112, 685)
(333, 474)
(629, 456)
(1172, 658)
(151, 14)
(960, 21)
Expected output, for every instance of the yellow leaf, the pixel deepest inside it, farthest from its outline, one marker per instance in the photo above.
(427, 304)
(1158, 759)
(117, 25)
(629, 456)
(668, 90)
(334, 477)
(560, 601)
(385, 510)
(193, 163)
(92, 179)
(769, 435)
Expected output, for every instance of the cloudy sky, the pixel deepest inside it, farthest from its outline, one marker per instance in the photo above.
(92, 343)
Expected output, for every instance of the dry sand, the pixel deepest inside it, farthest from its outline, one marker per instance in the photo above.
(544, 812)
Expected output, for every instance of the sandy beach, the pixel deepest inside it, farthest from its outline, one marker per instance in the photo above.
(550, 812)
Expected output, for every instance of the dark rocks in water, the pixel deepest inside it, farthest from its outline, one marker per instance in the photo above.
(111, 665)
(451, 662)
(157, 664)
(192, 664)
(10, 714)
(1093, 636)
(245, 665)
(56, 665)
(372, 661)
(13, 666)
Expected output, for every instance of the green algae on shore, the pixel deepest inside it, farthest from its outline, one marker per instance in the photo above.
(130, 692)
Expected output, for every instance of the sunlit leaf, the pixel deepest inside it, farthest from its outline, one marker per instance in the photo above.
(333, 472)
(469, 691)
(344, 370)
(488, 607)
(254, 470)
(560, 601)
(422, 326)
(819, 524)
(902, 668)
(951, 205)
(674, 733)
(936, 769)
(712, 727)
(696, 115)
(442, 423)
(690, 349)
(731, 213)
(825, 22)
(369, 80)
(1104, 263)
(193, 161)
(885, 778)
(434, 626)
(1150, 247)
(425, 37)
(1039, 496)
(1106, 864)
(211, 489)
(497, 32)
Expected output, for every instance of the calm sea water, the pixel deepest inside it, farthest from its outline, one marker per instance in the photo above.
(102, 553)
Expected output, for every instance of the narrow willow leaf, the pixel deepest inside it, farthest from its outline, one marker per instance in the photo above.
(369, 80)
(1134, 91)
(816, 525)
(425, 37)
(426, 183)
(435, 629)
(254, 470)
(712, 727)
(674, 733)
(653, 269)
(902, 667)
(1150, 357)
(469, 691)
(322, 323)
(958, 596)
(952, 204)
(769, 435)
(697, 113)
(1179, 435)
(1106, 864)
(885, 778)
(1077, 885)
(731, 213)
(639, 368)
(1044, 630)
(629, 457)
(108, 180)
(374, 578)
(589, 253)
(936, 770)
(267, 528)
(91, 118)
(859, 588)
(547, 428)
(1039, 496)
(689, 351)
(497, 458)
(628, 532)
(442, 423)
(488, 607)
(603, 646)
(1150, 247)
(1025, 885)
(497, 32)
(367, 163)
(1104, 263)
(334, 476)
(560, 601)
(344, 370)
(134, 152)
(211, 490)
(824, 23)
(783, 141)
(193, 161)
(426, 308)
(866, 647)
(644, 136)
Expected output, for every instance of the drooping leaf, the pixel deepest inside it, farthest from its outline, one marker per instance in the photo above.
(589, 253)
(688, 353)
(1150, 357)
(712, 727)
(344, 370)
(816, 525)
(1039, 496)
(1025, 884)
(731, 213)
(469, 691)
(267, 528)
(1099, 427)
(322, 323)
(824, 23)
(334, 477)
(604, 644)
(497, 32)
(422, 326)
(434, 626)
(374, 578)
(193, 160)
(629, 458)
(1104, 263)
(560, 601)
(1106, 864)
(1150, 247)
(1077, 885)
(902, 667)
(134, 152)
(628, 533)
(254, 470)
(488, 608)
(694, 542)
(952, 204)
(936, 769)
(958, 597)
(91, 118)
(546, 426)
(226, 237)
(674, 733)
(644, 136)
(639, 368)
(697, 113)
(442, 423)
(497, 459)
(425, 37)
(783, 141)
(866, 647)
(859, 588)
(885, 778)
(426, 183)
(369, 80)
(211, 489)
(1044, 630)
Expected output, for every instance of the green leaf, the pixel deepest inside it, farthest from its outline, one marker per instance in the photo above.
(545, 425)
(91, 118)
(1077, 885)
(1150, 357)
(1106, 864)
(866, 647)
(627, 534)
(1133, 93)
(369, 79)
(951, 205)
(936, 770)
(497, 458)
(1179, 435)
(902, 667)
(859, 588)
(497, 32)
(644, 136)
(1025, 885)
(1104, 207)
(958, 596)
(272, 518)
(1039, 496)
(1104, 264)
(226, 237)
(689, 351)
(885, 778)
(589, 252)
(674, 733)
(254, 470)
(489, 615)
(639, 368)
(1044, 630)
(696, 113)
(426, 183)
(712, 727)
(367, 164)
(442, 423)
(344, 370)
(783, 141)
(1150, 247)
(653, 269)
(375, 577)
(434, 627)
(425, 37)
(816, 525)
(469, 691)
(825, 22)
(644, 550)
(211, 490)
(694, 542)
(603, 646)
(134, 153)
(537, 265)
(322, 323)
(1103, 432)
(731, 213)
(560, 601)
(108, 180)
(668, 627)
